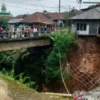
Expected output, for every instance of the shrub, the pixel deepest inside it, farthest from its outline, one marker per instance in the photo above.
(62, 44)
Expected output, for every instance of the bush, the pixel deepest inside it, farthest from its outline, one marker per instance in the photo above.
(62, 44)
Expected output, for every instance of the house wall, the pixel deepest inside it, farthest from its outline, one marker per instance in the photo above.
(74, 28)
(93, 29)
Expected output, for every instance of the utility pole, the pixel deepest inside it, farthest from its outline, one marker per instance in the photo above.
(59, 5)
(59, 12)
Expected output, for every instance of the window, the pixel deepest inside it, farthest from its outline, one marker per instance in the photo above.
(81, 26)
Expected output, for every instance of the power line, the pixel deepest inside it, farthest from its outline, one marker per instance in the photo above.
(32, 6)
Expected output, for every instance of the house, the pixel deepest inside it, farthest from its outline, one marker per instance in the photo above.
(14, 21)
(17, 19)
(87, 23)
(56, 17)
(38, 20)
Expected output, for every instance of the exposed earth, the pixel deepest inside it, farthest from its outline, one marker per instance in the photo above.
(12, 90)
(85, 58)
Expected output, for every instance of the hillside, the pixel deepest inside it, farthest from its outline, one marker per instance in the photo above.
(12, 90)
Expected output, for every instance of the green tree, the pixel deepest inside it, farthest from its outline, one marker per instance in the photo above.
(62, 44)
(4, 22)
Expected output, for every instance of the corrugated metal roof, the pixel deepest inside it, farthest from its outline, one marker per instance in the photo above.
(90, 14)
(12, 21)
(97, 8)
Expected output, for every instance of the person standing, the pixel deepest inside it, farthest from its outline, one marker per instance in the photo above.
(29, 31)
(35, 32)
(18, 32)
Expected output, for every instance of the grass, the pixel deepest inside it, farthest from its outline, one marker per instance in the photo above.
(19, 92)
(21, 78)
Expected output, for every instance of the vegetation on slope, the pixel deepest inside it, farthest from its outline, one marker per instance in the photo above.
(39, 64)
(62, 43)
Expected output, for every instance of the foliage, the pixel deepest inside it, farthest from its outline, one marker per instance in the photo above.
(45, 13)
(21, 78)
(62, 43)
(67, 75)
(3, 22)
(32, 64)
(8, 58)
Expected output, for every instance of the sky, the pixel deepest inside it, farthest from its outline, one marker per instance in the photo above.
(17, 7)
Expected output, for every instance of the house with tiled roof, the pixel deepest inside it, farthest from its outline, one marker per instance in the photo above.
(56, 17)
(87, 23)
(37, 18)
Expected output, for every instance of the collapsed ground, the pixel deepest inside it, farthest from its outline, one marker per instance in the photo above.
(84, 57)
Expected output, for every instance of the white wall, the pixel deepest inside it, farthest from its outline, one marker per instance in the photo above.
(84, 32)
(74, 27)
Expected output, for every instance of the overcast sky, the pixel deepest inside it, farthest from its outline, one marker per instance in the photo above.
(17, 7)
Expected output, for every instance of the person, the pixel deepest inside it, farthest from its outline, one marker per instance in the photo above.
(35, 32)
(23, 30)
(11, 31)
(18, 32)
(48, 29)
(1, 30)
(45, 29)
(42, 30)
(29, 31)
(26, 32)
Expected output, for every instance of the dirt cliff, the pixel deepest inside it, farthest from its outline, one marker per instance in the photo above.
(84, 60)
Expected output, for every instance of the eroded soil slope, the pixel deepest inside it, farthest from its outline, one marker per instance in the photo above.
(86, 59)
(83, 58)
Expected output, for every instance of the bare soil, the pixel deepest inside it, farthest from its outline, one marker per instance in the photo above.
(86, 58)
(4, 92)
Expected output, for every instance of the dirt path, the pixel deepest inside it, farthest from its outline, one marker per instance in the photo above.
(4, 93)
(12, 90)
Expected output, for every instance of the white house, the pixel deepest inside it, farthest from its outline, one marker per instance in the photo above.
(87, 23)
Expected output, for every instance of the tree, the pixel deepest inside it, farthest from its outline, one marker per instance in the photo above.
(4, 22)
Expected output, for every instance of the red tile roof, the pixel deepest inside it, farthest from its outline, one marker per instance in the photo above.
(77, 11)
(37, 18)
(56, 16)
